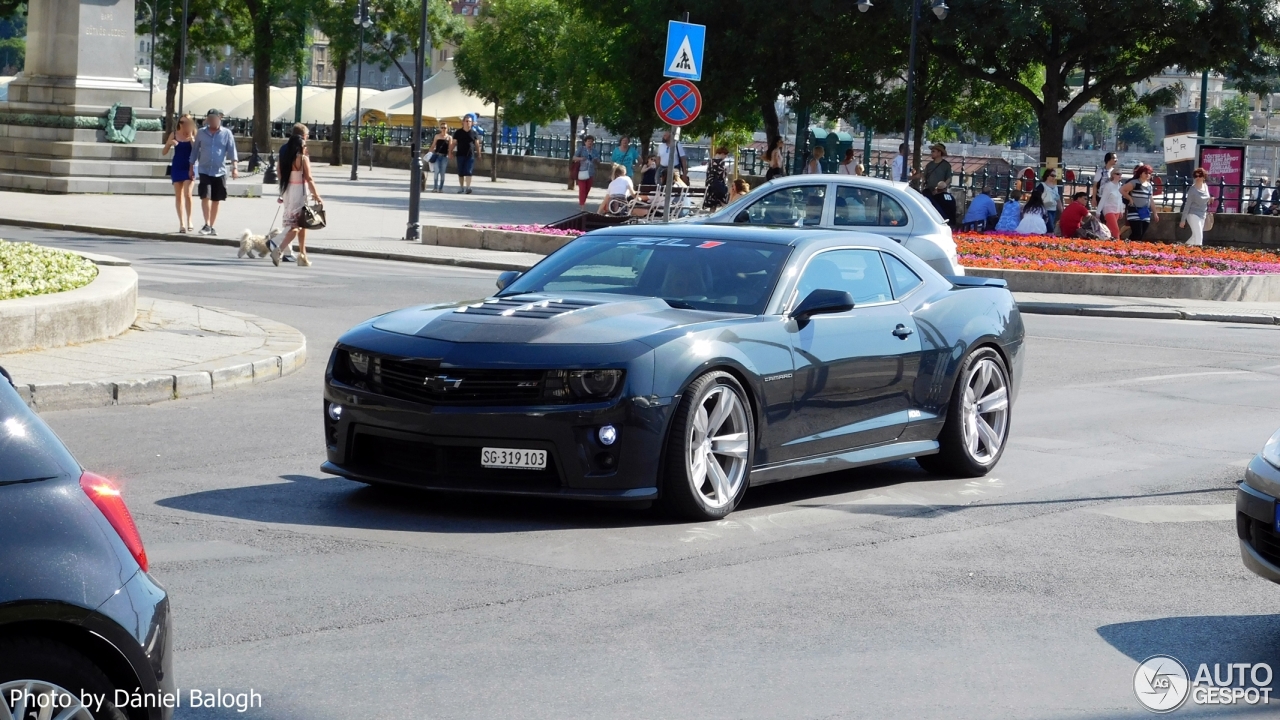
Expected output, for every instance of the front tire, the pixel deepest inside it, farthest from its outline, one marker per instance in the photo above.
(709, 449)
(41, 668)
(978, 419)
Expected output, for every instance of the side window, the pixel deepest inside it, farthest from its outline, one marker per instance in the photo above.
(798, 206)
(858, 272)
(864, 207)
(902, 278)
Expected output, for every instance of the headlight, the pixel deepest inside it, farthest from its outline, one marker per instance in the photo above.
(359, 362)
(1271, 451)
(594, 383)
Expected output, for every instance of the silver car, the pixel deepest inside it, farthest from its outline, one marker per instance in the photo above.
(1257, 524)
(849, 202)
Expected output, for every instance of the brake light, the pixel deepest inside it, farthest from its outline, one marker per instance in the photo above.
(106, 496)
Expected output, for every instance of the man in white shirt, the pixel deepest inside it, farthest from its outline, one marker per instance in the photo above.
(664, 156)
(899, 172)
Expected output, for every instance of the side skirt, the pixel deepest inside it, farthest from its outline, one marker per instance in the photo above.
(805, 467)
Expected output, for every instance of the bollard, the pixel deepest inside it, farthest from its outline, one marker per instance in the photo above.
(269, 177)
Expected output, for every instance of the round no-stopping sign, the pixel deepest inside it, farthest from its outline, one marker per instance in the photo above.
(678, 102)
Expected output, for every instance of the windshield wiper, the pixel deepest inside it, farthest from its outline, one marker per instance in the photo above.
(678, 304)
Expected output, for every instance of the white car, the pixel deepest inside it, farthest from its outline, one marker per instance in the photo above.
(849, 202)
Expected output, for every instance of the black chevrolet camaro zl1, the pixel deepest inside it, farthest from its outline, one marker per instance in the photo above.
(681, 364)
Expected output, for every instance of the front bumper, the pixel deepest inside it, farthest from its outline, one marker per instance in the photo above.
(1256, 524)
(379, 439)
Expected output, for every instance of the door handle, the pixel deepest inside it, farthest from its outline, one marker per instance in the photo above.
(902, 332)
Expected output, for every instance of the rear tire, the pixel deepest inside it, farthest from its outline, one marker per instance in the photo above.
(709, 449)
(51, 668)
(978, 419)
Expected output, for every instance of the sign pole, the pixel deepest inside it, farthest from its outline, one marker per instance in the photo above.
(672, 155)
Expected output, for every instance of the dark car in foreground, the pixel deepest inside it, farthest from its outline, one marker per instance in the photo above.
(80, 618)
(681, 363)
(1257, 522)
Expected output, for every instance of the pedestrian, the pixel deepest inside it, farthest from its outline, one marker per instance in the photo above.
(1196, 207)
(740, 187)
(1137, 192)
(180, 143)
(295, 182)
(664, 157)
(937, 170)
(773, 156)
(1011, 215)
(1275, 199)
(847, 166)
(440, 157)
(899, 171)
(814, 166)
(1104, 176)
(620, 192)
(649, 175)
(1111, 203)
(626, 155)
(1034, 215)
(1052, 200)
(860, 170)
(586, 158)
(464, 148)
(717, 180)
(944, 202)
(981, 214)
(1074, 214)
(213, 146)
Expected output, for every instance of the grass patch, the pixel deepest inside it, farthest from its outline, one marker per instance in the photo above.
(28, 269)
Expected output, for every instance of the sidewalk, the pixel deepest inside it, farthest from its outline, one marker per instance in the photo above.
(1259, 313)
(173, 350)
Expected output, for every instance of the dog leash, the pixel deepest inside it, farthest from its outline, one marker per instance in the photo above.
(270, 242)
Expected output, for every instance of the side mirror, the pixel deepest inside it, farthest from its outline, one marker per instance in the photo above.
(507, 278)
(822, 302)
(742, 217)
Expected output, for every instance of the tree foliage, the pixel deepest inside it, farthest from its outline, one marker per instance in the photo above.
(1097, 123)
(211, 26)
(1136, 135)
(1230, 119)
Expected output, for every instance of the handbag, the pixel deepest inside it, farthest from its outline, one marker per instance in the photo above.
(583, 172)
(313, 216)
(1208, 222)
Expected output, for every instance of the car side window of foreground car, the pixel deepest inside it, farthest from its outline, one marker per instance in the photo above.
(797, 206)
(857, 272)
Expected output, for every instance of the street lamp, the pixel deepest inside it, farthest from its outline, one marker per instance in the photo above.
(361, 19)
(940, 9)
(864, 5)
(182, 64)
(151, 8)
(413, 230)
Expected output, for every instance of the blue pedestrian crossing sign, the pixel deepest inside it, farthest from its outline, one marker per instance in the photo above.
(684, 50)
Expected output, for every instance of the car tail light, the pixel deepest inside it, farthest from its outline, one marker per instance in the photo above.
(106, 496)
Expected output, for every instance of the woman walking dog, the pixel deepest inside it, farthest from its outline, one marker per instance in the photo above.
(295, 181)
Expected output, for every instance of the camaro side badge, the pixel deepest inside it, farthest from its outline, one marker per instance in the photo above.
(783, 376)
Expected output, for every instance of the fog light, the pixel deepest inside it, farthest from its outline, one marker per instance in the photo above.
(335, 412)
(608, 435)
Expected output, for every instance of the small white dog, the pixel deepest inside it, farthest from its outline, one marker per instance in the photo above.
(250, 243)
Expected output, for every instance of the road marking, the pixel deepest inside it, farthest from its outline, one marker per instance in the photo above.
(1176, 376)
(199, 550)
(1169, 513)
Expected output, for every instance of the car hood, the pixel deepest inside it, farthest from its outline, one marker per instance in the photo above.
(580, 319)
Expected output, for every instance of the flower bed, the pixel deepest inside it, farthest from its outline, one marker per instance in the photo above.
(27, 269)
(1042, 252)
(536, 229)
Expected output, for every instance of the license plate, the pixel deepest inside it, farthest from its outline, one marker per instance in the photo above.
(513, 458)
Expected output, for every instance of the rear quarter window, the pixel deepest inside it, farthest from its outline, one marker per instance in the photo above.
(29, 450)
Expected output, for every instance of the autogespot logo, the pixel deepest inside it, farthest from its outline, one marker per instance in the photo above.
(1161, 683)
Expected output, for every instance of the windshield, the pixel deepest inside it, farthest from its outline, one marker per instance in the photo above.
(719, 275)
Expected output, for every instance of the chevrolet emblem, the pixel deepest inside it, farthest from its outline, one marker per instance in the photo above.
(441, 383)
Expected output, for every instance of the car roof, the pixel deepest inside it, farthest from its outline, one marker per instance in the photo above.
(861, 180)
(777, 235)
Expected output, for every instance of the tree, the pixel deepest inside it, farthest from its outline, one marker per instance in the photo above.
(13, 40)
(211, 26)
(1230, 119)
(1098, 124)
(277, 44)
(1136, 133)
(1106, 47)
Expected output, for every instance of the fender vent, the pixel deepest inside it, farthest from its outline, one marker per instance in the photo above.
(511, 307)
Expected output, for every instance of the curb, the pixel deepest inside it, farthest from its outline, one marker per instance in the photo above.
(288, 345)
(231, 242)
(1043, 308)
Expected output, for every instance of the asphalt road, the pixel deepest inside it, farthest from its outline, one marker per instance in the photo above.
(877, 593)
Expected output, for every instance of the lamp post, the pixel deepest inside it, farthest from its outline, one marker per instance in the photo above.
(940, 10)
(413, 231)
(182, 62)
(151, 91)
(362, 19)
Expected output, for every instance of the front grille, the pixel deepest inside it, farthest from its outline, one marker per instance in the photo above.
(540, 309)
(428, 383)
(439, 463)
(1263, 538)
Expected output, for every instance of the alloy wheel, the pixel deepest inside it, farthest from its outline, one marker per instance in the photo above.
(717, 446)
(985, 413)
(40, 700)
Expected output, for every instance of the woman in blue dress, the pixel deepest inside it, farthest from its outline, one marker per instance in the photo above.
(180, 172)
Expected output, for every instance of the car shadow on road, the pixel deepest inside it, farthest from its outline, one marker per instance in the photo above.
(1200, 639)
